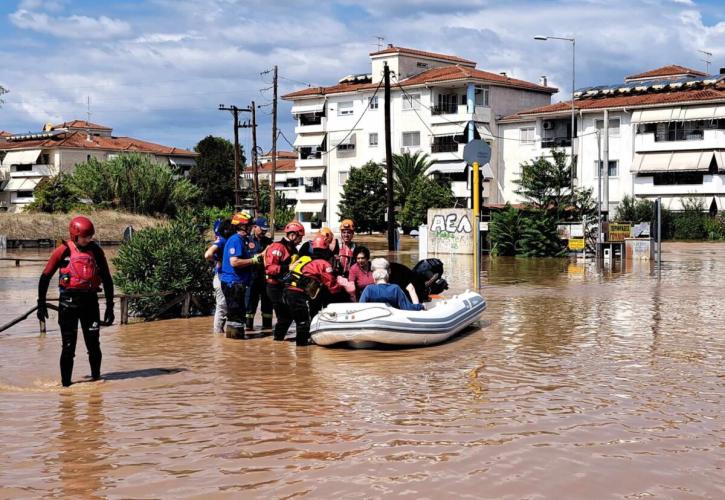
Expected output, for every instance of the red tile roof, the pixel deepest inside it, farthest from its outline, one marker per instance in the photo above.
(282, 154)
(80, 140)
(283, 165)
(690, 95)
(81, 124)
(665, 71)
(4, 133)
(435, 75)
(421, 53)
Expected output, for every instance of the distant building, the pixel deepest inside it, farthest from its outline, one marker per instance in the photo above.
(666, 137)
(28, 158)
(286, 180)
(438, 104)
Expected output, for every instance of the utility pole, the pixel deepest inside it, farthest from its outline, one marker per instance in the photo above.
(389, 161)
(272, 193)
(235, 113)
(255, 160)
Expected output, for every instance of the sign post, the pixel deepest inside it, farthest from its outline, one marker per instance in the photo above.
(476, 153)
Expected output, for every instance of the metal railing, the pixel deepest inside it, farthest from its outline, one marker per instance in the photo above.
(446, 109)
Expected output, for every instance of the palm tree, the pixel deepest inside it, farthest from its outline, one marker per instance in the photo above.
(407, 169)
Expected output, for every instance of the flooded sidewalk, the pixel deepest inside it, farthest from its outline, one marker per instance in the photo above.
(578, 383)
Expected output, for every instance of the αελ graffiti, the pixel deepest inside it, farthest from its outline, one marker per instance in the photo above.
(451, 223)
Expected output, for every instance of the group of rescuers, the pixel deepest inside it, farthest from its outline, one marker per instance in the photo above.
(296, 280)
(249, 268)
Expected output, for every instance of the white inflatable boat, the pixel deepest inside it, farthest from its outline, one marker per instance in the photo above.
(368, 325)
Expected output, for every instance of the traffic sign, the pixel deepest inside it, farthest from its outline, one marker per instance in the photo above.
(477, 151)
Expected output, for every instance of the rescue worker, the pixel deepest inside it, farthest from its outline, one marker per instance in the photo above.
(277, 258)
(257, 242)
(307, 277)
(334, 244)
(223, 231)
(236, 274)
(83, 267)
(347, 246)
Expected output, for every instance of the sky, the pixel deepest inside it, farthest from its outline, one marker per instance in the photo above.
(158, 69)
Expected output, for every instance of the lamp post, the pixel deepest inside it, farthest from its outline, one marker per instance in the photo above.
(573, 87)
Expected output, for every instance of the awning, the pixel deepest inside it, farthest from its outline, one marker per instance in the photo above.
(450, 129)
(679, 161)
(22, 184)
(26, 157)
(720, 159)
(309, 140)
(651, 162)
(311, 171)
(484, 132)
(655, 115)
(314, 207)
(337, 138)
(182, 162)
(447, 167)
(702, 113)
(304, 108)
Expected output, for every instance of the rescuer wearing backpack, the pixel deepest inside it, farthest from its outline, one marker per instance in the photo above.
(83, 267)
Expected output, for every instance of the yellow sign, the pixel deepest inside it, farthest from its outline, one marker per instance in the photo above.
(618, 232)
(576, 244)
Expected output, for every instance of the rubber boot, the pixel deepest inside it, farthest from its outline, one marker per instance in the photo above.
(250, 323)
(234, 332)
(266, 322)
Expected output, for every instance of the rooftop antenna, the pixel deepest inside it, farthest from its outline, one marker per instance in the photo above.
(707, 60)
(381, 42)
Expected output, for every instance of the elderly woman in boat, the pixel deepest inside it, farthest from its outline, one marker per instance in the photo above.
(386, 293)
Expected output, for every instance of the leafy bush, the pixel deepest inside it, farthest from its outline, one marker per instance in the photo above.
(539, 237)
(54, 195)
(363, 198)
(635, 211)
(690, 223)
(425, 193)
(505, 231)
(715, 227)
(166, 258)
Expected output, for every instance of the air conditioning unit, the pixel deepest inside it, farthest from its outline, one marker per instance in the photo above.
(547, 125)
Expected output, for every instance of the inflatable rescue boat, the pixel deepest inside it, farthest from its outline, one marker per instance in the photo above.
(370, 325)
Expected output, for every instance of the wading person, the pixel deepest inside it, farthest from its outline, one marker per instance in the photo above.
(387, 293)
(277, 258)
(307, 277)
(257, 243)
(214, 254)
(361, 275)
(236, 274)
(83, 268)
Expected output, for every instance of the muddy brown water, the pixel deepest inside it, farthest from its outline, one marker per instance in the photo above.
(577, 383)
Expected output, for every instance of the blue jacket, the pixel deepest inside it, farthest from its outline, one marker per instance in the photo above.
(236, 246)
(220, 242)
(390, 294)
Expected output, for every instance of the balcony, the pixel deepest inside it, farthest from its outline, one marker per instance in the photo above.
(555, 142)
(647, 142)
(312, 192)
(311, 161)
(311, 126)
(711, 185)
(446, 109)
(457, 113)
(35, 171)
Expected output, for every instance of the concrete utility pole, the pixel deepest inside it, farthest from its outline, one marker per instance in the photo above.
(389, 161)
(235, 113)
(272, 193)
(253, 126)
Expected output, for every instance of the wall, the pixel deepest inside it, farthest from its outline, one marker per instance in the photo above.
(450, 230)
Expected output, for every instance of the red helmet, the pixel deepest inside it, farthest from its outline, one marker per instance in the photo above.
(319, 242)
(81, 226)
(295, 227)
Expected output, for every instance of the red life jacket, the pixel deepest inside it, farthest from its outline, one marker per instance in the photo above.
(82, 272)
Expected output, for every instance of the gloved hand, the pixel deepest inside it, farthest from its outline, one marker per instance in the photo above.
(108, 316)
(42, 310)
(258, 259)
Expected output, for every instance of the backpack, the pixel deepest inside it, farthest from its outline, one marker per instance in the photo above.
(431, 272)
(297, 279)
(81, 273)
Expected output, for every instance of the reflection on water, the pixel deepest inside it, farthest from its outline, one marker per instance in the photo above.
(578, 382)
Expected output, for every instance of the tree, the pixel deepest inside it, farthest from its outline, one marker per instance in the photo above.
(54, 194)
(425, 193)
(546, 185)
(363, 198)
(505, 231)
(633, 210)
(539, 237)
(284, 209)
(214, 171)
(134, 183)
(407, 169)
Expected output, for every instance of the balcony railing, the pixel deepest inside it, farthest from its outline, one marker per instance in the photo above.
(446, 109)
(445, 147)
(556, 142)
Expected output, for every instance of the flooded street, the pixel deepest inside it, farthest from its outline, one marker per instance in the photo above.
(578, 383)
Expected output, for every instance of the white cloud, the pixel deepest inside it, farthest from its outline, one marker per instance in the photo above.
(80, 27)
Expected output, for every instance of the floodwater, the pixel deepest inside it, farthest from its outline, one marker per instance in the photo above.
(577, 383)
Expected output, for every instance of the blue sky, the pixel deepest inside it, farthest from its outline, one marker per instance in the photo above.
(158, 69)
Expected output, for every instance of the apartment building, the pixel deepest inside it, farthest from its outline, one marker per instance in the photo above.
(28, 158)
(285, 179)
(665, 138)
(438, 104)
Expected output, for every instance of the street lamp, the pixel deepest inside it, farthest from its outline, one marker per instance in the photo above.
(573, 86)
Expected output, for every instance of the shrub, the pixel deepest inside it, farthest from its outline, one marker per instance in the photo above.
(715, 227)
(635, 211)
(166, 258)
(690, 223)
(539, 237)
(505, 231)
(54, 195)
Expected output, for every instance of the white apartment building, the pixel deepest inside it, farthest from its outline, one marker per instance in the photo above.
(666, 138)
(438, 103)
(285, 178)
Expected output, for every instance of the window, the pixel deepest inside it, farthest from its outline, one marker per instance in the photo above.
(613, 126)
(344, 108)
(23, 168)
(613, 168)
(482, 96)
(464, 100)
(343, 177)
(677, 178)
(373, 102)
(422, 65)
(527, 135)
(25, 194)
(411, 139)
(411, 101)
(373, 139)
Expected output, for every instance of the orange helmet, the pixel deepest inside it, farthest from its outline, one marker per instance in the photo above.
(241, 218)
(81, 226)
(347, 224)
(295, 227)
(327, 233)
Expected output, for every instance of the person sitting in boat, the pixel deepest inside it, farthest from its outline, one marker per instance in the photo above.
(361, 275)
(387, 293)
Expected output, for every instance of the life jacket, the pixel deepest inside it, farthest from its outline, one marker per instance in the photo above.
(344, 257)
(295, 278)
(82, 271)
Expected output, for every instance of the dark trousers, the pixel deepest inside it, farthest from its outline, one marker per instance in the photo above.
(275, 293)
(234, 295)
(257, 292)
(75, 308)
(298, 303)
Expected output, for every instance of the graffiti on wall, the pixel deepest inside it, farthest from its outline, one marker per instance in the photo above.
(450, 230)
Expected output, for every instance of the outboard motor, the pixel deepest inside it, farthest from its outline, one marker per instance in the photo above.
(431, 273)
